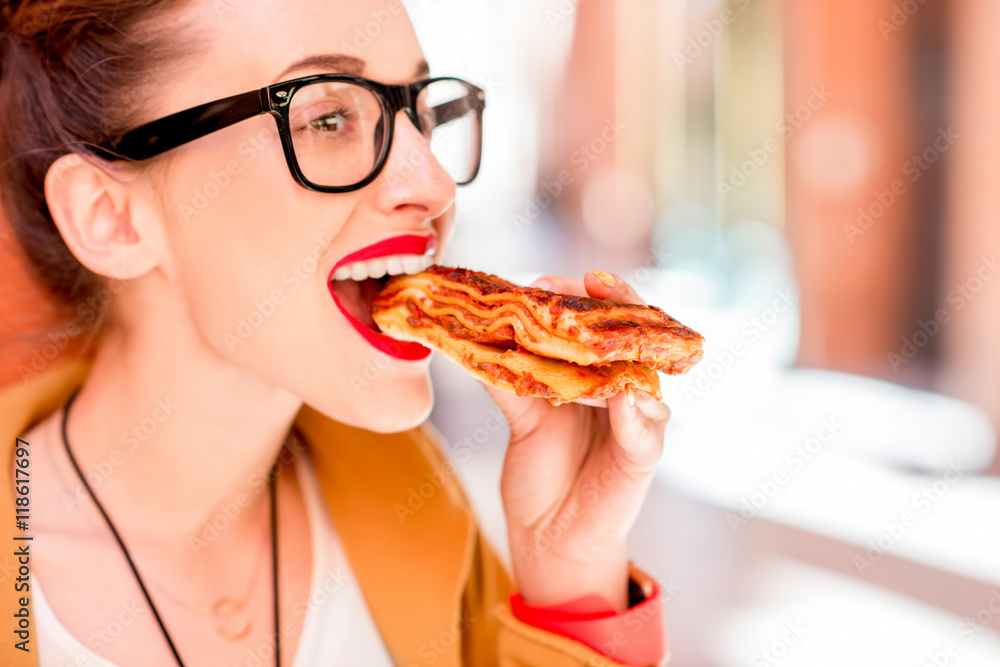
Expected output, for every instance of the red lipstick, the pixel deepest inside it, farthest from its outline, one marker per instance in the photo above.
(411, 244)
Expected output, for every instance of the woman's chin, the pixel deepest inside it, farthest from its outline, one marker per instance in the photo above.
(397, 423)
(400, 408)
(383, 405)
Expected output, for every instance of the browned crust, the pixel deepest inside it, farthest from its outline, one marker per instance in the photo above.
(486, 309)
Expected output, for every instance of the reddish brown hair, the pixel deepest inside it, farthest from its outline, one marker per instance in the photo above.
(72, 72)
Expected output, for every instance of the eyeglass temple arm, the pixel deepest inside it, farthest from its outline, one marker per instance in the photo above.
(449, 111)
(184, 126)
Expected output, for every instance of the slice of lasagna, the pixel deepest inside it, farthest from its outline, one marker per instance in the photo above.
(534, 342)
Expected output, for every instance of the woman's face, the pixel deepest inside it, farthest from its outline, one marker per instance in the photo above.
(252, 252)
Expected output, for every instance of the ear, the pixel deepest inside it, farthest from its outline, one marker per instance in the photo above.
(94, 213)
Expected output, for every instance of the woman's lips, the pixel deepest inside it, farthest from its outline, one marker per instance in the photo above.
(398, 245)
(411, 244)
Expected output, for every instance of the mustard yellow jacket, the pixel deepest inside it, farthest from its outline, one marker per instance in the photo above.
(435, 587)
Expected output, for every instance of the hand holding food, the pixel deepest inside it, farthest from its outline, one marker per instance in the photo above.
(575, 475)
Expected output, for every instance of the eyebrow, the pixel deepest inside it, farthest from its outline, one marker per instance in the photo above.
(329, 62)
(340, 63)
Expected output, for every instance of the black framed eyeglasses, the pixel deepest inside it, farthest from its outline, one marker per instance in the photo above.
(336, 129)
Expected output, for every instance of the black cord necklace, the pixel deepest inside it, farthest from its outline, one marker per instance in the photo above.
(128, 557)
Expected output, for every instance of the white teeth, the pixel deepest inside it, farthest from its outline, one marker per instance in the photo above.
(412, 264)
(394, 266)
(376, 268)
(359, 271)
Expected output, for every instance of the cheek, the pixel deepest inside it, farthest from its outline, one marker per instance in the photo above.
(245, 239)
(250, 254)
(214, 175)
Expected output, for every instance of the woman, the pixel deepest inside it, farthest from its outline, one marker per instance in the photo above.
(210, 488)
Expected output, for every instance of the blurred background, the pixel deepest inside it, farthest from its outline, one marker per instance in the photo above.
(813, 186)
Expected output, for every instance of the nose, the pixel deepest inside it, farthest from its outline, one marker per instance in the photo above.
(412, 179)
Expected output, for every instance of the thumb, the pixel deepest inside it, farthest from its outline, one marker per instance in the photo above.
(638, 422)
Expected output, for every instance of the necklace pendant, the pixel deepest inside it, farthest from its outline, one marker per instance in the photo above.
(230, 619)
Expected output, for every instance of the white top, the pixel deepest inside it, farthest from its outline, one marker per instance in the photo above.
(338, 629)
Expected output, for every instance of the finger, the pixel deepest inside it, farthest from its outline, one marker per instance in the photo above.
(523, 413)
(637, 424)
(561, 285)
(601, 285)
(542, 453)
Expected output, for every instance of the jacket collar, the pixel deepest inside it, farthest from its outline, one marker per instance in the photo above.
(405, 524)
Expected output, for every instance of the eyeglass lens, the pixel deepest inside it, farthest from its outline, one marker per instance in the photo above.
(337, 130)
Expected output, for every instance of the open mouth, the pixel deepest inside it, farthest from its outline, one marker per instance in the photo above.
(356, 280)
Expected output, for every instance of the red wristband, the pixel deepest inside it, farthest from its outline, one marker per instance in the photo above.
(631, 637)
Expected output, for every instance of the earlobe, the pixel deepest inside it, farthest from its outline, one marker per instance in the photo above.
(93, 212)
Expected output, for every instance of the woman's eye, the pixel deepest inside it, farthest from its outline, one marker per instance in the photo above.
(327, 118)
(329, 123)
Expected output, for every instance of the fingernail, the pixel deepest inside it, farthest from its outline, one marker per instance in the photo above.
(542, 284)
(630, 396)
(651, 408)
(605, 278)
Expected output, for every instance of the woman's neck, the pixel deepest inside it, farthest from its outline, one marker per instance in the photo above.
(174, 435)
